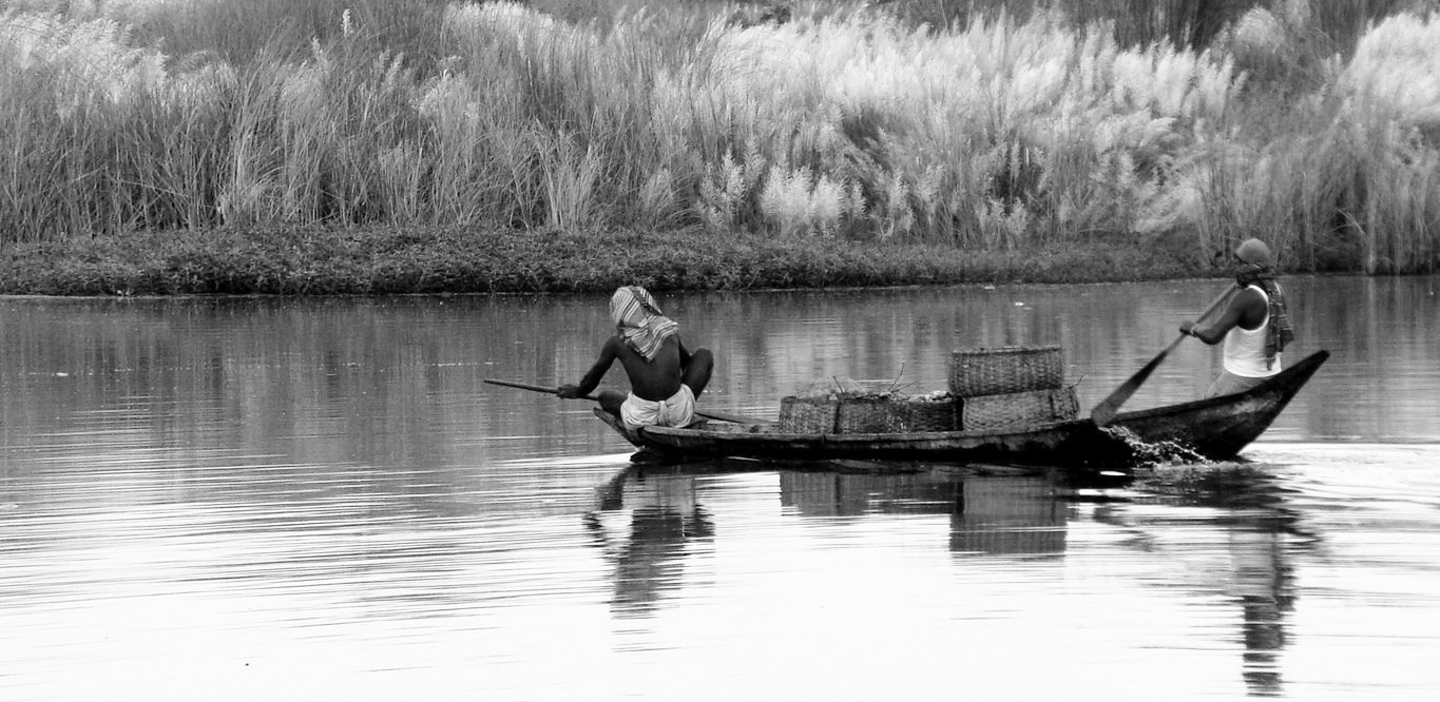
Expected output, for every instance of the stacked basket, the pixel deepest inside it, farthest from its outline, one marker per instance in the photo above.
(1011, 387)
(990, 390)
(868, 413)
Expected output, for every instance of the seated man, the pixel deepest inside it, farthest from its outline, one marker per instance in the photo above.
(1254, 325)
(665, 377)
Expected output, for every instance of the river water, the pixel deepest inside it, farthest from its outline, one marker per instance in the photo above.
(320, 499)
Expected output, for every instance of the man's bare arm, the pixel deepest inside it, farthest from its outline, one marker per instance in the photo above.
(595, 374)
(1239, 306)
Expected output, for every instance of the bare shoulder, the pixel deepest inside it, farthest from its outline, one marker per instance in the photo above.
(614, 346)
(1249, 308)
(1250, 296)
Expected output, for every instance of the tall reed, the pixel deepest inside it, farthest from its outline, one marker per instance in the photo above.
(1349, 179)
(1006, 130)
(998, 134)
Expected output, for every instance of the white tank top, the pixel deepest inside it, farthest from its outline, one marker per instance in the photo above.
(1245, 348)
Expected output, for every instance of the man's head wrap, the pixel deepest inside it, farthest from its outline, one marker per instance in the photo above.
(640, 321)
(1254, 251)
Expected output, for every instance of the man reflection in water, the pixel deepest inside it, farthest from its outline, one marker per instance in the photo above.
(1255, 325)
(1263, 587)
(664, 518)
(1260, 579)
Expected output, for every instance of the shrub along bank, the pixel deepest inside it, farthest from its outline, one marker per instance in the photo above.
(316, 261)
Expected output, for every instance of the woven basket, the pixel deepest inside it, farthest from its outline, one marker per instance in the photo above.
(925, 415)
(880, 414)
(1010, 369)
(863, 414)
(1018, 409)
(808, 415)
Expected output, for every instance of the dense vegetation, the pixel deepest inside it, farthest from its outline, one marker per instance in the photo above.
(958, 132)
(285, 261)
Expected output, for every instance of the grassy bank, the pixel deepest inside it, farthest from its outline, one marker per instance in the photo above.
(1180, 126)
(377, 261)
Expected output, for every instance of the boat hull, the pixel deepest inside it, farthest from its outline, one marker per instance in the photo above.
(1210, 429)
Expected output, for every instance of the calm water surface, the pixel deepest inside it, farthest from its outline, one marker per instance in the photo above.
(268, 499)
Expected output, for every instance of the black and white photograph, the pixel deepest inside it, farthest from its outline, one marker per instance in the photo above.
(719, 350)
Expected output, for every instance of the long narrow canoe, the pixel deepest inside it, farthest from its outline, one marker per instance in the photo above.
(1215, 429)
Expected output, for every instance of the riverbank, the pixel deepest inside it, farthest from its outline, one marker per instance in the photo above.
(317, 261)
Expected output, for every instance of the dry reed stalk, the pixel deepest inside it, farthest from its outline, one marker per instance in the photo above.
(1020, 75)
(570, 177)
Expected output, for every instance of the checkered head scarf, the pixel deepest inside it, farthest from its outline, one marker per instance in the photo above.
(640, 321)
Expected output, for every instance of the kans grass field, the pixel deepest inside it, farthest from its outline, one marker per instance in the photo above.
(421, 146)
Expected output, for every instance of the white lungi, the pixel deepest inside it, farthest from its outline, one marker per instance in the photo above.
(677, 411)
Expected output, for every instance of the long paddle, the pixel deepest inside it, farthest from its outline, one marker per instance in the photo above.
(703, 413)
(1106, 410)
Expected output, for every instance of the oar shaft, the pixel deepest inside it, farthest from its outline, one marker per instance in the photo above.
(527, 386)
(1106, 410)
(703, 413)
(1213, 305)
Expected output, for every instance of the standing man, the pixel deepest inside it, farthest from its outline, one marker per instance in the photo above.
(665, 377)
(1255, 325)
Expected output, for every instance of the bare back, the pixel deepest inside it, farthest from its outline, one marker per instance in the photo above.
(656, 379)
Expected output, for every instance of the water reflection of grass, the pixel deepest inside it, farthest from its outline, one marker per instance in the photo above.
(842, 124)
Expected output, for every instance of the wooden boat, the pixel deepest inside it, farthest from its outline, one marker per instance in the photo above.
(1210, 429)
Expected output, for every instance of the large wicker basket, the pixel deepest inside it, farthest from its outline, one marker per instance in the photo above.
(1018, 410)
(864, 414)
(808, 415)
(1009, 369)
(883, 414)
(867, 414)
(925, 415)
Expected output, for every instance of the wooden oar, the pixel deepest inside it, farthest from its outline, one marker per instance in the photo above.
(703, 413)
(1105, 412)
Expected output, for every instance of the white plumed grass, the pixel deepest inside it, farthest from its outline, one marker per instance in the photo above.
(998, 132)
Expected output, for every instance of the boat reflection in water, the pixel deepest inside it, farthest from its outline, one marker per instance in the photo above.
(1010, 516)
(996, 515)
(650, 522)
